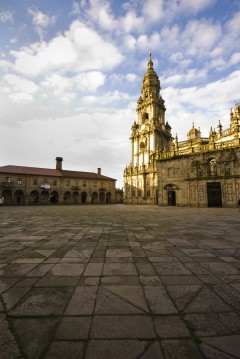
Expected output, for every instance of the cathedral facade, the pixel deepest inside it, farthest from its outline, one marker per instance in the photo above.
(199, 172)
(202, 172)
(150, 134)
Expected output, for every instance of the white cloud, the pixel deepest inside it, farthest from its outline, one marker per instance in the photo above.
(20, 84)
(130, 22)
(106, 99)
(89, 81)
(235, 58)
(41, 21)
(153, 10)
(99, 11)
(6, 16)
(131, 77)
(21, 97)
(204, 105)
(79, 49)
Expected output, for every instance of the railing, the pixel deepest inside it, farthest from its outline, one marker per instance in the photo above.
(76, 188)
(45, 186)
(7, 184)
(196, 149)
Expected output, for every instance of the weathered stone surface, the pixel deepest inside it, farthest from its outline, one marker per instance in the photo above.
(83, 301)
(158, 300)
(117, 349)
(8, 345)
(170, 327)
(73, 328)
(34, 334)
(122, 327)
(65, 350)
(119, 282)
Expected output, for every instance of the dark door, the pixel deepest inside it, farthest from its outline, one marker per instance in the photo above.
(214, 194)
(171, 198)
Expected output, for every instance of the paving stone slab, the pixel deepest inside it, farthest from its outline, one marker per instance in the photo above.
(73, 328)
(43, 302)
(117, 349)
(82, 301)
(122, 327)
(170, 327)
(226, 344)
(120, 281)
(34, 335)
(66, 350)
(180, 349)
(158, 300)
(8, 346)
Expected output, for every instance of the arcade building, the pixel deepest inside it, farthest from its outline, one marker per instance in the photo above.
(30, 185)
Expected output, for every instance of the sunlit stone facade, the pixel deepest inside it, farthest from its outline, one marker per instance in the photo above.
(202, 172)
(150, 134)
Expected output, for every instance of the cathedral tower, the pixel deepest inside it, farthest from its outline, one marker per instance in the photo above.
(150, 134)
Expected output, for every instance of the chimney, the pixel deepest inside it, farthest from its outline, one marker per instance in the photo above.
(59, 163)
(99, 171)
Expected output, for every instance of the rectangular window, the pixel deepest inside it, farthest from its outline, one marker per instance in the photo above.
(133, 193)
(19, 181)
(148, 193)
(139, 193)
(35, 181)
(67, 183)
(8, 179)
(84, 184)
(55, 182)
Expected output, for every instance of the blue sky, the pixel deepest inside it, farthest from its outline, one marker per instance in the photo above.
(71, 74)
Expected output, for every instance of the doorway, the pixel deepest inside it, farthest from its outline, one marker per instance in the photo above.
(214, 194)
(171, 198)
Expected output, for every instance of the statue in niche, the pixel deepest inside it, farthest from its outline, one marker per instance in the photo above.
(199, 171)
(213, 167)
(227, 169)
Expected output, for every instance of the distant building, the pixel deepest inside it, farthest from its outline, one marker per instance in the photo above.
(202, 172)
(149, 135)
(119, 195)
(30, 185)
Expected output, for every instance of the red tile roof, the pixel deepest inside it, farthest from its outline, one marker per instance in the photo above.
(35, 171)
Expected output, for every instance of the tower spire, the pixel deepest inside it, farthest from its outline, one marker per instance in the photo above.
(150, 63)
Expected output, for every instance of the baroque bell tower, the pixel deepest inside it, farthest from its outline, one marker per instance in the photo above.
(150, 134)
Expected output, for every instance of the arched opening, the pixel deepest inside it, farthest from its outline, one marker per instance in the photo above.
(83, 197)
(171, 194)
(171, 198)
(54, 197)
(214, 194)
(94, 197)
(67, 198)
(44, 197)
(34, 197)
(75, 197)
(144, 117)
(7, 195)
(101, 197)
(19, 197)
(108, 197)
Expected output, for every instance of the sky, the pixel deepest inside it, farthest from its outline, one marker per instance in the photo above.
(71, 74)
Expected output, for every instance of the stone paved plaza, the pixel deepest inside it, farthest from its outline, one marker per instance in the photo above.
(118, 281)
